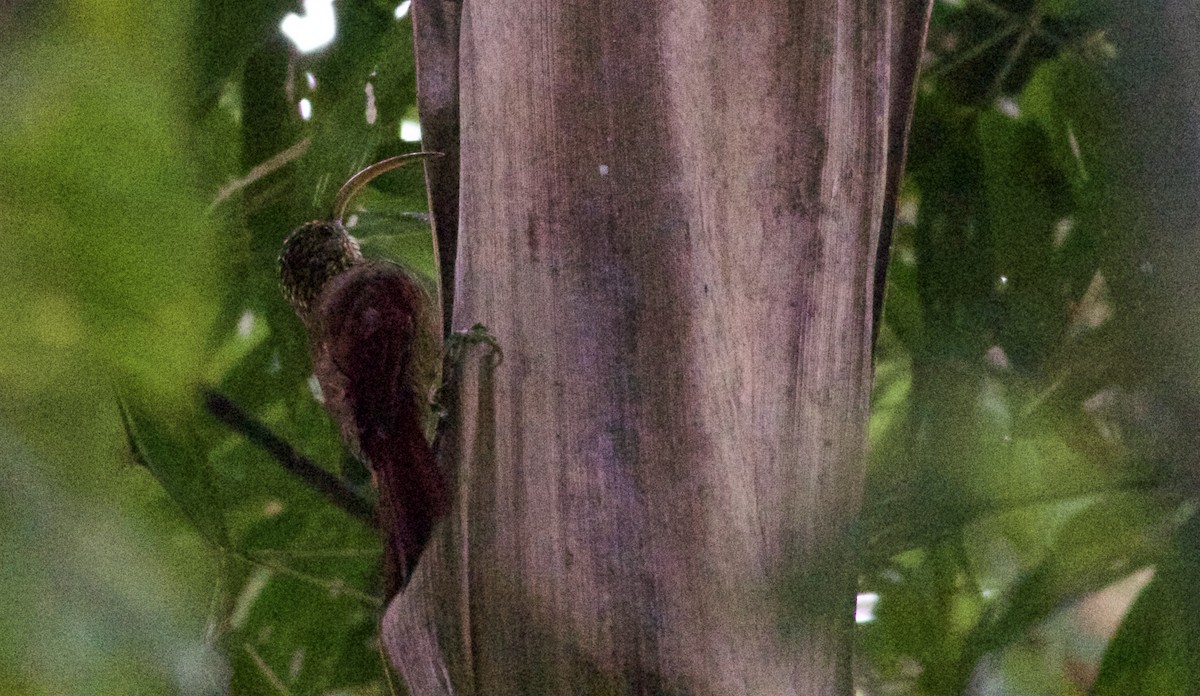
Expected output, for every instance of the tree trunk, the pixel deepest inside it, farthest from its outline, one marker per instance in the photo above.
(669, 218)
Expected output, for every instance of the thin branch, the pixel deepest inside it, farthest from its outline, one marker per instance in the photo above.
(997, 11)
(326, 484)
(268, 673)
(972, 52)
(320, 553)
(335, 587)
(259, 171)
(1017, 49)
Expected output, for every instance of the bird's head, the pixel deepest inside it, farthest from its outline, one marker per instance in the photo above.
(317, 251)
(312, 254)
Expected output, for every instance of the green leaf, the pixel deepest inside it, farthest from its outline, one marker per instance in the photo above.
(1156, 651)
(93, 603)
(307, 634)
(1105, 541)
(175, 461)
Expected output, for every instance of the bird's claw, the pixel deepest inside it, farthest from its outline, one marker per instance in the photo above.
(458, 342)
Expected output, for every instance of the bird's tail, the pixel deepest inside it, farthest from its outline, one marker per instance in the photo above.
(412, 496)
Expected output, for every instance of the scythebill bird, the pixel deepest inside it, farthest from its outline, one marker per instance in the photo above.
(374, 355)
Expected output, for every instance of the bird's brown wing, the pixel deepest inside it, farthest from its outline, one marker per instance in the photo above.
(370, 333)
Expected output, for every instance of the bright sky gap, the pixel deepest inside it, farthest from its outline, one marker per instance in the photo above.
(314, 29)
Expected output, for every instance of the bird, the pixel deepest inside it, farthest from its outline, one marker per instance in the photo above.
(374, 355)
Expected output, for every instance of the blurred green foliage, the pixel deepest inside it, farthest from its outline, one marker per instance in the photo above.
(155, 157)
(1019, 457)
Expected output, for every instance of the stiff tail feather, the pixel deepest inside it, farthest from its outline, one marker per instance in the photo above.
(412, 497)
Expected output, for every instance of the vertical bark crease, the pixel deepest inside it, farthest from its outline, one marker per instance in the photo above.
(670, 216)
(436, 43)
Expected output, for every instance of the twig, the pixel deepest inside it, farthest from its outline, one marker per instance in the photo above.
(275, 163)
(997, 11)
(267, 673)
(335, 587)
(1023, 38)
(326, 484)
(972, 52)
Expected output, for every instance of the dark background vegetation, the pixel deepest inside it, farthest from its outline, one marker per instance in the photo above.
(1033, 425)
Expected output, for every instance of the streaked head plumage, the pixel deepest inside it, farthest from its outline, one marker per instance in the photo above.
(313, 254)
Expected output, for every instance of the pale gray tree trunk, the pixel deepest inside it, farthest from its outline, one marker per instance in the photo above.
(669, 218)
